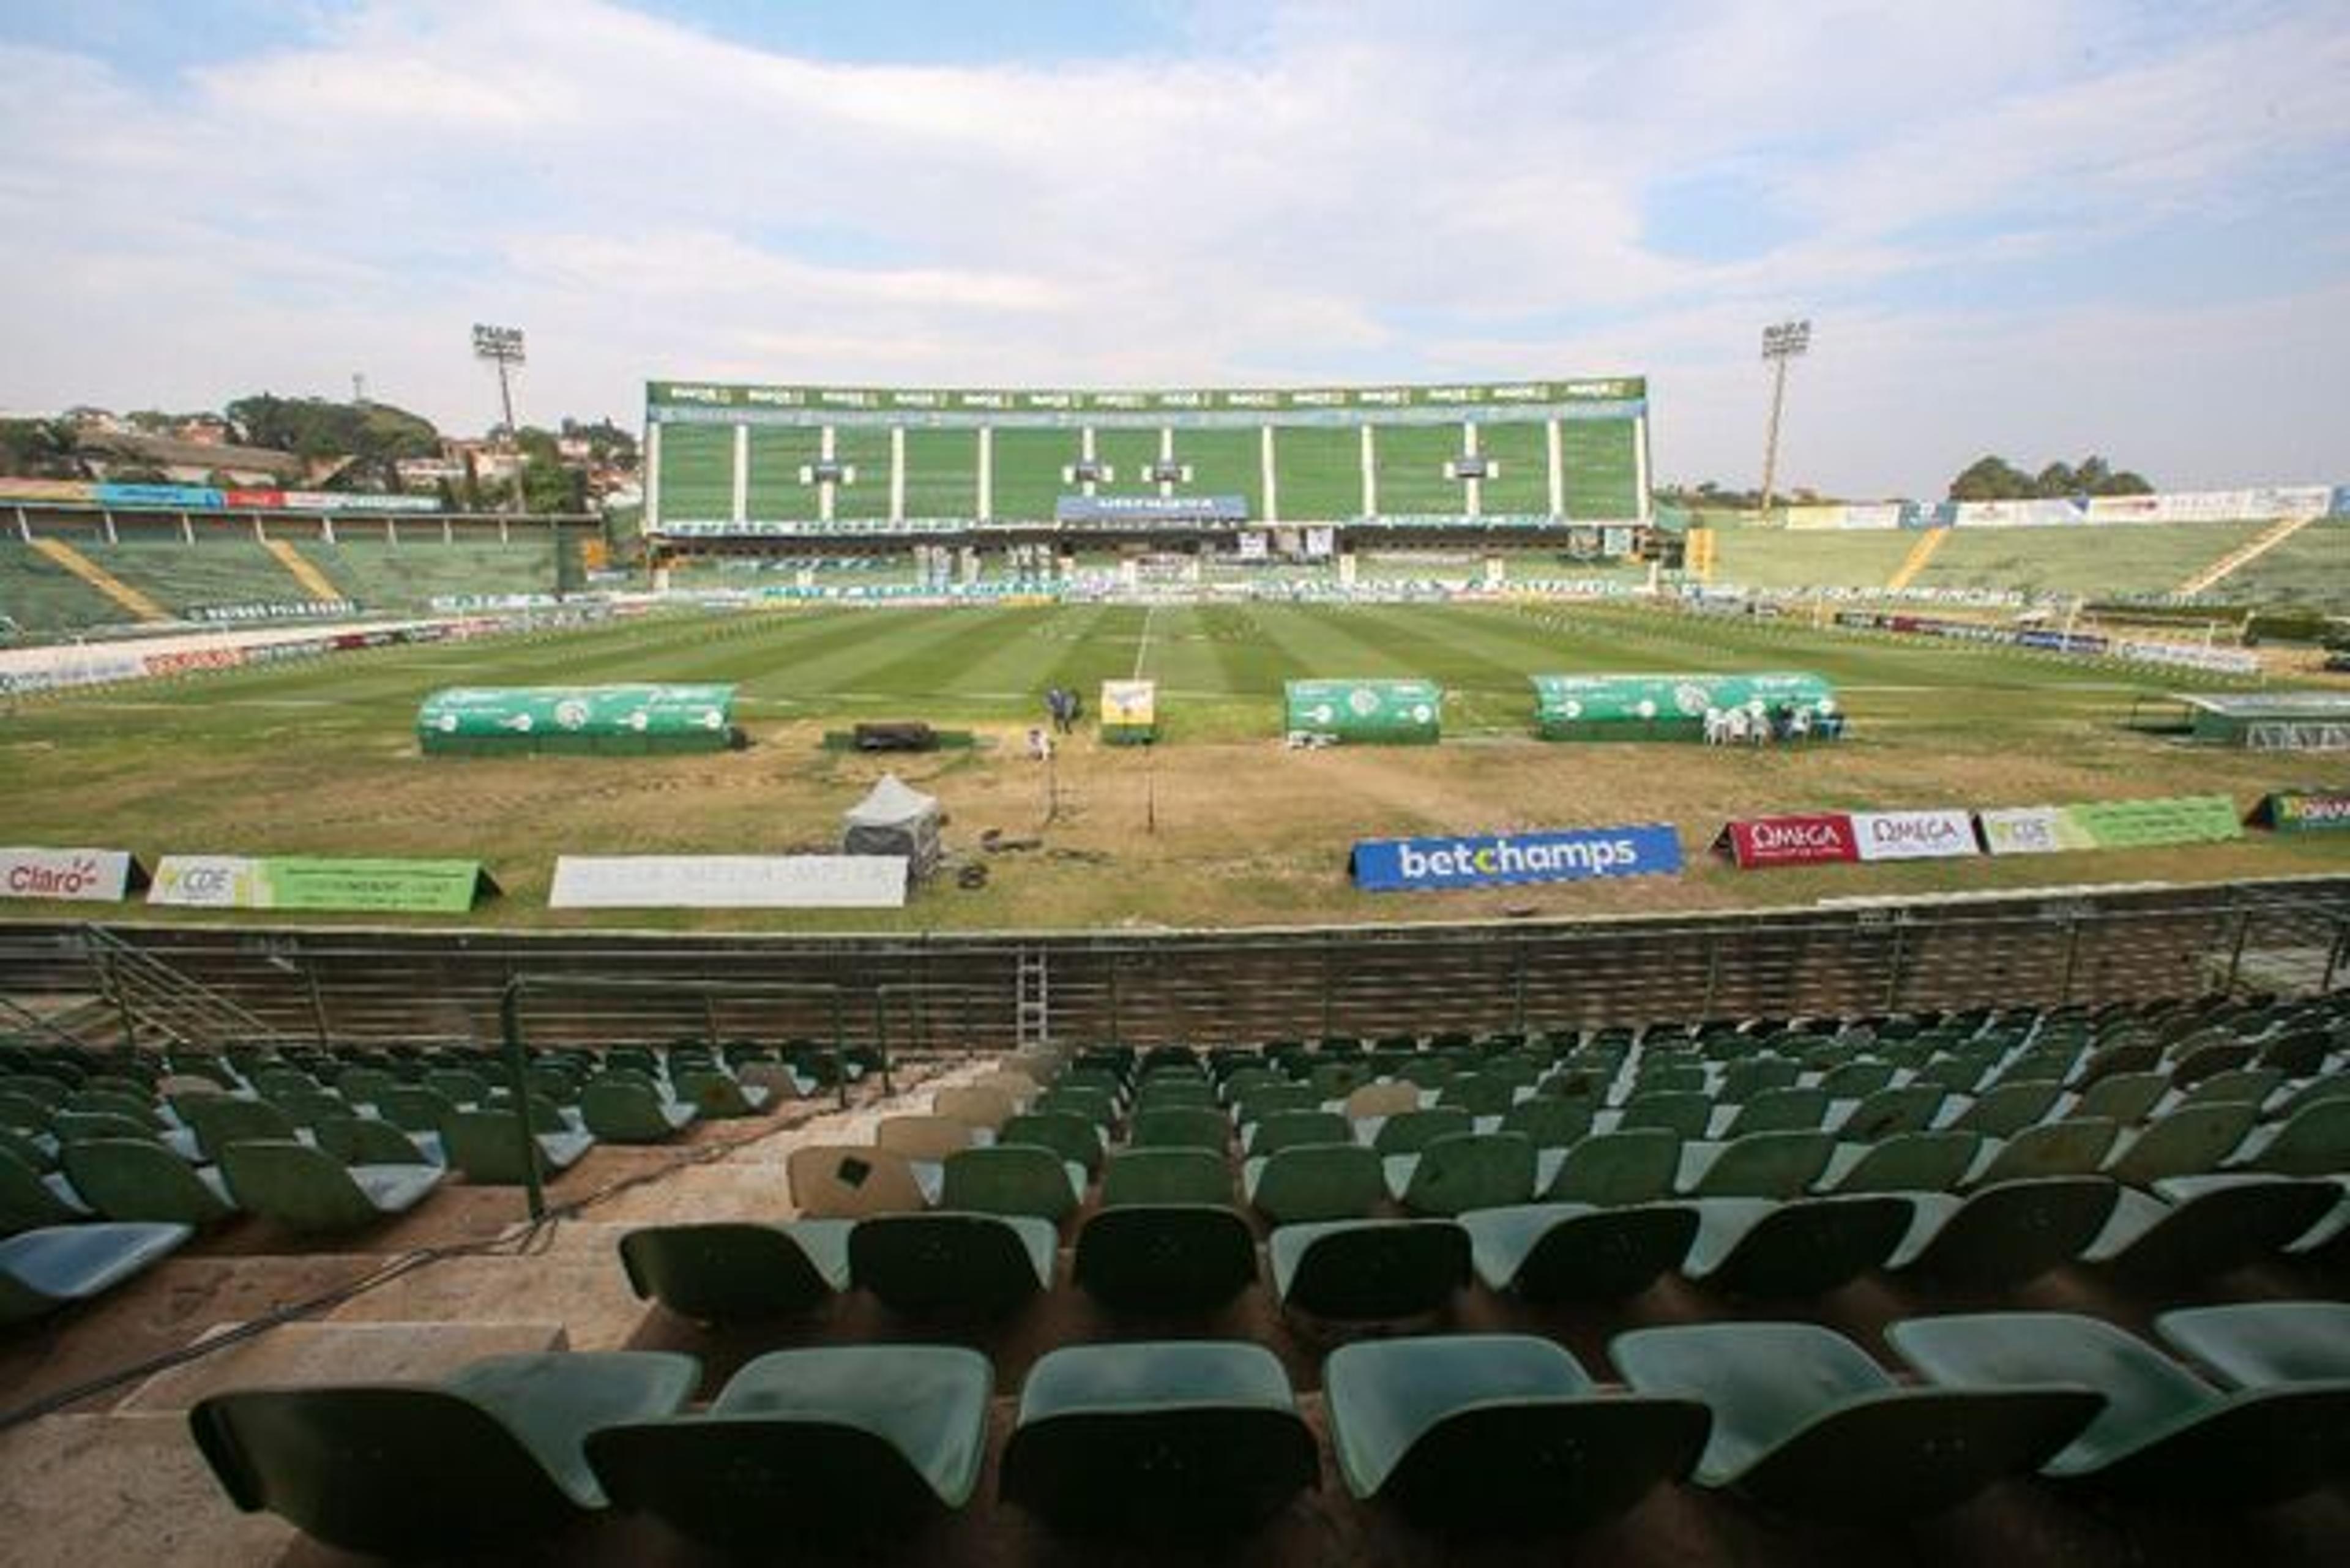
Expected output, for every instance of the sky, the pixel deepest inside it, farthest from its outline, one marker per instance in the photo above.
(2040, 228)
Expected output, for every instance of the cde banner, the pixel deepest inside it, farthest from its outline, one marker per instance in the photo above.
(1485, 860)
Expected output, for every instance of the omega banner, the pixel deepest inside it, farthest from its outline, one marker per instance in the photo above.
(86, 876)
(1486, 860)
(1829, 837)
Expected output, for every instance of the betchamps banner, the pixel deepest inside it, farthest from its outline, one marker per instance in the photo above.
(1420, 865)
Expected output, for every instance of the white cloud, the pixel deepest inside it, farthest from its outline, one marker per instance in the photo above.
(1372, 191)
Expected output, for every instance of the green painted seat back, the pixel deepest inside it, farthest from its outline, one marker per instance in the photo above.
(1891, 1112)
(1158, 1439)
(1743, 1080)
(2074, 1146)
(1256, 1105)
(487, 1145)
(367, 1140)
(1912, 1162)
(1475, 1434)
(1369, 1269)
(2124, 1097)
(1804, 1421)
(1767, 1165)
(1684, 1113)
(1009, 1178)
(618, 1111)
(414, 1108)
(1855, 1080)
(2005, 1109)
(42, 1270)
(23, 1113)
(2187, 1142)
(2249, 1086)
(2313, 1141)
(79, 1126)
(1199, 1126)
(362, 1084)
(492, 1455)
(1550, 1122)
(1610, 1168)
(2005, 1235)
(219, 1120)
(2217, 1224)
(137, 1107)
(1169, 1091)
(462, 1086)
(1097, 1107)
(712, 1093)
(1569, 1252)
(2261, 1345)
(1805, 1247)
(1471, 1170)
(732, 1271)
(1319, 1181)
(1165, 1257)
(1959, 1074)
(27, 1202)
(856, 1442)
(1664, 1076)
(20, 1147)
(1484, 1094)
(1779, 1110)
(2194, 1064)
(295, 1186)
(940, 1263)
(1277, 1130)
(1337, 1080)
(137, 1179)
(1166, 1176)
(1409, 1132)
(1072, 1137)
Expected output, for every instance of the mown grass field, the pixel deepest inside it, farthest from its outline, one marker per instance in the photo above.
(1220, 825)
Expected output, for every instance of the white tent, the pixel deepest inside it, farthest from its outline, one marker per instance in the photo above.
(895, 819)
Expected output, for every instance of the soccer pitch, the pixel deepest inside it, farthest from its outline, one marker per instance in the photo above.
(1219, 825)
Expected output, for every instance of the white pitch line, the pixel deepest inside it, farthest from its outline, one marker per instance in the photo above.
(1142, 647)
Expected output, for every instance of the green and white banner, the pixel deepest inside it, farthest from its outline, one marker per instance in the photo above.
(1405, 711)
(2110, 825)
(305, 882)
(850, 401)
(2305, 810)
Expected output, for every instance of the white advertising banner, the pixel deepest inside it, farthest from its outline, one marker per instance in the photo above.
(1912, 835)
(2022, 830)
(729, 882)
(89, 875)
(205, 881)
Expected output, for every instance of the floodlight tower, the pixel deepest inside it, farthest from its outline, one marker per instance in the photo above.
(502, 346)
(1780, 343)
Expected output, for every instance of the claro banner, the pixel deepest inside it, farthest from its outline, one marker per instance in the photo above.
(89, 876)
(1486, 860)
(1762, 841)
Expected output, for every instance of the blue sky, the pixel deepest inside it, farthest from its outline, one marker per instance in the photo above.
(2035, 227)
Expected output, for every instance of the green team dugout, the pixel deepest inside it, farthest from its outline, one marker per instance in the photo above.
(1375, 712)
(1670, 706)
(576, 720)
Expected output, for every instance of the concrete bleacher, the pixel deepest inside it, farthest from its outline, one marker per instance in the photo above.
(406, 577)
(43, 598)
(215, 574)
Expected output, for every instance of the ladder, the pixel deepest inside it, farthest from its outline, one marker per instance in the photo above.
(1031, 1010)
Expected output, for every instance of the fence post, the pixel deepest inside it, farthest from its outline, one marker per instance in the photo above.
(1893, 978)
(2071, 956)
(2236, 950)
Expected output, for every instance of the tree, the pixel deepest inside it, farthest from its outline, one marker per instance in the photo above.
(40, 449)
(1991, 478)
(2057, 480)
(549, 486)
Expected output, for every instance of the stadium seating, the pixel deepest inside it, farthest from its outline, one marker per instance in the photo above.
(732, 1270)
(44, 1268)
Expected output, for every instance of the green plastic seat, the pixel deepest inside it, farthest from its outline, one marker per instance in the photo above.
(714, 1094)
(2005, 1109)
(1905, 1162)
(414, 1108)
(732, 1271)
(459, 1086)
(1756, 1164)
(1072, 1137)
(617, 1111)
(1481, 1093)
(219, 1120)
(2192, 1228)
(1316, 1181)
(54, 1266)
(1550, 1252)
(1743, 1080)
(1200, 1126)
(1752, 1246)
(2264, 1345)
(2074, 1146)
(1013, 1178)
(1473, 1434)
(2164, 1434)
(137, 1107)
(1166, 1176)
(489, 1150)
(1157, 1439)
(1254, 1104)
(982, 1264)
(1461, 1171)
(24, 1114)
(1096, 1106)
(1165, 1257)
(134, 1179)
(1619, 1167)
(2189, 1141)
(2311, 1141)
(1892, 1112)
(35, 1154)
(1686, 1113)
(2245, 1086)
(847, 1442)
(1787, 1110)
(1805, 1422)
(1369, 1269)
(1409, 1132)
(2002, 1236)
(1549, 1121)
(1277, 1130)
(303, 1188)
(79, 1126)
(370, 1140)
(33, 1199)
(489, 1456)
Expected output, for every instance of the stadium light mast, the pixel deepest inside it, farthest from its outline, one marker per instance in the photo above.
(502, 346)
(1780, 343)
